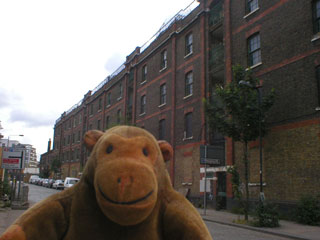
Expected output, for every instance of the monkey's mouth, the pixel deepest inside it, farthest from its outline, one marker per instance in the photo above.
(125, 203)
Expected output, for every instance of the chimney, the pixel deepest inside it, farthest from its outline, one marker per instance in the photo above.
(49, 145)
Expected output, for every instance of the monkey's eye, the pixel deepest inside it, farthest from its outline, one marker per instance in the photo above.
(145, 152)
(109, 149)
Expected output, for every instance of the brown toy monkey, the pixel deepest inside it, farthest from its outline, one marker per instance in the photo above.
(124, 193)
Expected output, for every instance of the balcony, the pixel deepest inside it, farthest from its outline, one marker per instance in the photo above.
(216, 14)
(216, 57)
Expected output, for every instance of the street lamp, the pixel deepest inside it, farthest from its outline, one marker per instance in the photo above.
(20, 135)
(257, 88)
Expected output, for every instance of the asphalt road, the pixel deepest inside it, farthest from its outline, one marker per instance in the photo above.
(218, 231)
(38, 193)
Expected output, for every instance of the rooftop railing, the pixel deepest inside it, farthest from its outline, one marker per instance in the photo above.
(166, 25)
(179, 16)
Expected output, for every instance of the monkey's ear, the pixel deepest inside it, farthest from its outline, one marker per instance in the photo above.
(166, 149)
(91, 137)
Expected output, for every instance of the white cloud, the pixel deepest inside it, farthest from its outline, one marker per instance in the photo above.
(54, 52)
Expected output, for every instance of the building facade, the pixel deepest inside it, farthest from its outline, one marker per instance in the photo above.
(161, 85)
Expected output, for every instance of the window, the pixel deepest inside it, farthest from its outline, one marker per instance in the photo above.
(107, 122)
(163, 59)
(120, 90)
(80, 118)
(100, 103)
(316, 16)
(119, 116)
(189, 84)
(143, 101)
(162, 129)
(189, 42)
(99, 124)
(163, 94)
(74, 122)
(252, 5)
(108, 99)
(144, 73)
(78, 136)
(254, 51)
(318, 83)
(188, 125)
(77, 154)
(91, 109)
(73, 137)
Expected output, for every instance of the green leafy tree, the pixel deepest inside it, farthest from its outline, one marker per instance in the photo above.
(45, 172)
(56, 166)
(235, 112)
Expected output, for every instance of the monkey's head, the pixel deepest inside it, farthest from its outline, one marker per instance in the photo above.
(127, 170)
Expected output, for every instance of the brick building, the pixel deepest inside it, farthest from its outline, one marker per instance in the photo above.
(161, 85)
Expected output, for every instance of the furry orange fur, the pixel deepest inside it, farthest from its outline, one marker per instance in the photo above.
(124, 193)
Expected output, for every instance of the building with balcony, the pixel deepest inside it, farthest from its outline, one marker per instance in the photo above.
(161, 85)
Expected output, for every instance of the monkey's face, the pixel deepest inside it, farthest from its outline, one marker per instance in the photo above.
(125, 179)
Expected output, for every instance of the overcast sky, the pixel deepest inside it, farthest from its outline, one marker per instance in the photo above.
(52, 52)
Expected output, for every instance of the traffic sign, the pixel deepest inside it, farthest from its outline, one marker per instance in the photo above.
(13, 159)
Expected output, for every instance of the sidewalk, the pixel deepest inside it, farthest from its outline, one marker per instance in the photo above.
(7, 217)
(287, 229)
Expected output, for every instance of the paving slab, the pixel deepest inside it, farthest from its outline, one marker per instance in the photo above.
(287, 229)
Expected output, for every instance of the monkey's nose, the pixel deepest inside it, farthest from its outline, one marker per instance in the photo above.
(124, 183)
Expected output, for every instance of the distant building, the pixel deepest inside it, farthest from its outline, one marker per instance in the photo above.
(11, 143)
(161, 85)
(30, 152)
(30, 157)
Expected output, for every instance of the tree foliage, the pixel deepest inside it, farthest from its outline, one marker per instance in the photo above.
(55, 165)
(236, 112)
(234, 109)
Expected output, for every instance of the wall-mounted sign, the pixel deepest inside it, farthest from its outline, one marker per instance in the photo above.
(12, 159)
(212, 155)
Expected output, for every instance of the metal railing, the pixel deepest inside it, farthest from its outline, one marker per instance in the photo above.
(216, 57)
(179, 16)
(216, 14)
(107, 79)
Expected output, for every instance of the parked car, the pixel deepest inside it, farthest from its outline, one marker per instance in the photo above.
(58, 184)
(44, 182)
(69, 182)
(50, 183)
(33, 179)
(38, 181)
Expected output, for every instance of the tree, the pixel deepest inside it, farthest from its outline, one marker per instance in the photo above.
(234, 111)
(45, 173)
(55, 166)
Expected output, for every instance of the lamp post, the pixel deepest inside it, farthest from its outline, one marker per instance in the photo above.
(257, 88)
(20, 135)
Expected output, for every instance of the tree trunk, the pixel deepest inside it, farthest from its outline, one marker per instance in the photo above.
(246, 175)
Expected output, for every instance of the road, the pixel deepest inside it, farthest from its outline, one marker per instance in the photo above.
(38, 193)
(218, 231)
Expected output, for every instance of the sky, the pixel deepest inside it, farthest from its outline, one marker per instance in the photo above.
(52, 52)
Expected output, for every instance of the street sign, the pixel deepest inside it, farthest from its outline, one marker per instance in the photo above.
(213, 155)
(12, 159)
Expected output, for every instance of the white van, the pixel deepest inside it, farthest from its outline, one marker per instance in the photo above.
(69, 182)
(33, 178)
